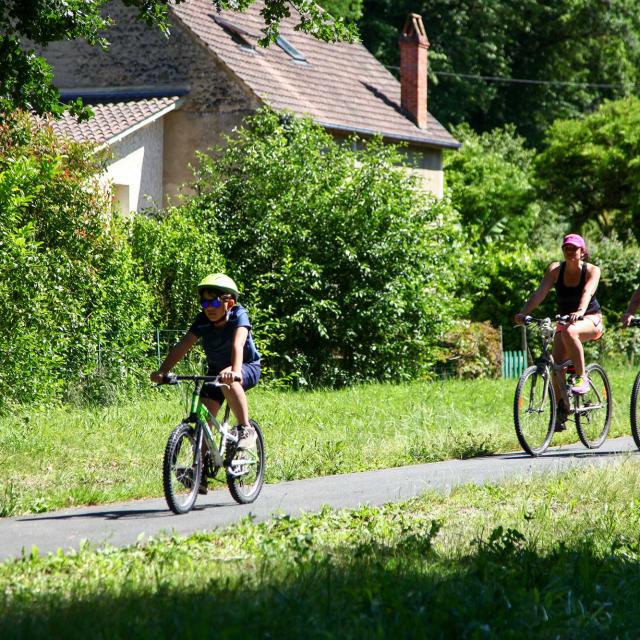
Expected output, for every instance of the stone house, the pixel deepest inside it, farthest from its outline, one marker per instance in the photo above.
(158, 100)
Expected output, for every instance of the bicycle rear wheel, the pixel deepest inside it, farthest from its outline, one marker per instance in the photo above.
(534, 410)
(181, 469)
(245, 470)
(593, 409)
(634, 413)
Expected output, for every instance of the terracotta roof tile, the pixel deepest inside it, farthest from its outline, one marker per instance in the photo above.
(111, 119)
(340, 84)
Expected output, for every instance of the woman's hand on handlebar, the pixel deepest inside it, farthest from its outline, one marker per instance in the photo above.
(157, 377)
(626, 319)
(520, 318)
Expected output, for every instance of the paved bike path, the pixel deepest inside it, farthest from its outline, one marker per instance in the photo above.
(125, 523)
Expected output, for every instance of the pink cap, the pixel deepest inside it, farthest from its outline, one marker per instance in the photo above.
(575, 240)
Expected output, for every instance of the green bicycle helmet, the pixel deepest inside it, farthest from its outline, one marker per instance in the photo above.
(220, 282)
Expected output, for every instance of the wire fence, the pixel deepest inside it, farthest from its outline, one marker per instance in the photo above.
(512, 362)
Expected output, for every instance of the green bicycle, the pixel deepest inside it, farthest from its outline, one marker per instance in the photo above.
(192, 456)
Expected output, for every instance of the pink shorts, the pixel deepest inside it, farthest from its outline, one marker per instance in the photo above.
(596, 318)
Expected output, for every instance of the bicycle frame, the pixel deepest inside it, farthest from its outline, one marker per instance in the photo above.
(546, 361)
(201, 417)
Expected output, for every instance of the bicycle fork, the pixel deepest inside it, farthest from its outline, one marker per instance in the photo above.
(217, 453)
(545, 392)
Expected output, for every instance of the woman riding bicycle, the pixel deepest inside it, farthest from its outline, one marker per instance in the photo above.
(575, 282)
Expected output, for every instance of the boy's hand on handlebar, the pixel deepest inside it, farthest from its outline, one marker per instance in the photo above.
(519, 318)
(163, 378)
(228, 376)
(626, 319)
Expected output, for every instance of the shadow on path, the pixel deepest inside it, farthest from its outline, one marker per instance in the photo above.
(115, 514)
(587, 453)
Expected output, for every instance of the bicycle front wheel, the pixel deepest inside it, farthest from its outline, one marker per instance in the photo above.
(593, 409)
(181, 469)
(534, 410)
(245, 471)
(635, 399)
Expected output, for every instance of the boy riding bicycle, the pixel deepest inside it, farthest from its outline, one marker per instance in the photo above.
(225, 330)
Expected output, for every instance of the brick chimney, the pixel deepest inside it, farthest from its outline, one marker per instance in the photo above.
(413, 69)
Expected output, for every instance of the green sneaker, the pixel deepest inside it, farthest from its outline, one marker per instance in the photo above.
(580, 385)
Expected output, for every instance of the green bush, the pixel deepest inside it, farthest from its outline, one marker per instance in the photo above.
(74, 315)
(348, 270)
(472, 350)
(491, 182)
(620, 274)
(175, 249)
(502, 279)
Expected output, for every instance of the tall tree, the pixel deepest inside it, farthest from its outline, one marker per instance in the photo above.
(26, 79)
(350, 10)
(575, 42)
(491, 183)
(590, 169)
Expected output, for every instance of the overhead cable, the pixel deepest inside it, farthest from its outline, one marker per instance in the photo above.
(473, 76)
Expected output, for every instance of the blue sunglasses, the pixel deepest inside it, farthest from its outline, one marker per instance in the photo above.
(215, 303)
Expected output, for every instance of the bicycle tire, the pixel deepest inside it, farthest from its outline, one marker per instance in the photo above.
(246, 488)
(633, 413)
(591, 434)
(534, 435)
(181, 469)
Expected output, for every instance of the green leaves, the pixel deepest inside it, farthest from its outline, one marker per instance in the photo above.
(491, 182)
(589, 168)
(353, 263)
(566, 47)
(68, 285)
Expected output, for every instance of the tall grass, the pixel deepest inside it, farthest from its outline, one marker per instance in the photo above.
(70, 456)
(554, 557)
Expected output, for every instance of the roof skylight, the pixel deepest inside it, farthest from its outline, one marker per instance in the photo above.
(286, 46)
(240, 36)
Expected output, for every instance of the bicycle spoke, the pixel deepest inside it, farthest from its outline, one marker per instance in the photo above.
(534, 411)
(593, 409)
(245, 470)
(181, 472)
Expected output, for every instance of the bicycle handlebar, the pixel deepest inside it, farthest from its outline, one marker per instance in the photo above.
(541, 321)
(172, 378)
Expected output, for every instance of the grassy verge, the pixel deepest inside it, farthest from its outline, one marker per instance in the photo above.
(71, 457)
(551, 557)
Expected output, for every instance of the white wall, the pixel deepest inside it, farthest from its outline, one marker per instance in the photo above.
(136, 169)
(423, 162)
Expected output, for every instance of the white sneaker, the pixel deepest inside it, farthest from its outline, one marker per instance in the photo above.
(247, 437)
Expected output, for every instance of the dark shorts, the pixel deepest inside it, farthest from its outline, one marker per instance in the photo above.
(250, 377)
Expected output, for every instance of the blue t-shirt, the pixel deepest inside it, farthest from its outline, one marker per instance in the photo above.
(218, 341)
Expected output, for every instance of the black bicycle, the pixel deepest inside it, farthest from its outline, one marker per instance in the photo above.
(535, 407)
(635, 398)
(192, 457)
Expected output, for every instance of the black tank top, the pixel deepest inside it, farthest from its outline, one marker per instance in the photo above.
(569, 297)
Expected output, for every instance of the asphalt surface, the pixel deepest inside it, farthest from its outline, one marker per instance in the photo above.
(126, 523)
